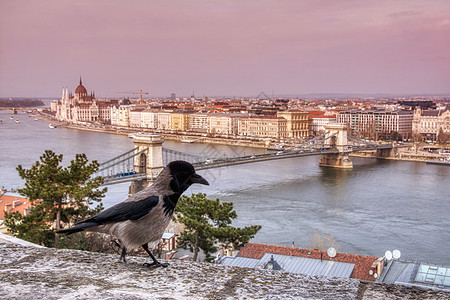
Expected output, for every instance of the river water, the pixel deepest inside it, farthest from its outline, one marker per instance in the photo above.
(377, 206)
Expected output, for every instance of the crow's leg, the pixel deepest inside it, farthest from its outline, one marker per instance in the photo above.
(123, 255)
(155, 262)
(124, 250)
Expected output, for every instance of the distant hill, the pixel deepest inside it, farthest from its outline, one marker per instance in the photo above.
(26, 102)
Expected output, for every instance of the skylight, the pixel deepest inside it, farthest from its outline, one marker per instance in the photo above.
(433, 275)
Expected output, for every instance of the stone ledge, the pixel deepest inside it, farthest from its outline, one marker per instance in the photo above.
(44, 273)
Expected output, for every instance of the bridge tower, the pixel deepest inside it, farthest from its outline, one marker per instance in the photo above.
(149, 161)
(339, 142)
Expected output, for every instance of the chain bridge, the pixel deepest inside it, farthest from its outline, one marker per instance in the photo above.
(142, 164)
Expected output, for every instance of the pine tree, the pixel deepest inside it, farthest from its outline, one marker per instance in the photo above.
(59, 194)
(208, 222)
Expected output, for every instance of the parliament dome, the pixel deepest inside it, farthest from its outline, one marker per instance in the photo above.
(80, 90)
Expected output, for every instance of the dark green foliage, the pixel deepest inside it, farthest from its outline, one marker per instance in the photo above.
(395, 135)
(208, 222)
(89, 241)
(443, 137)
(60, 194)
(32, 228)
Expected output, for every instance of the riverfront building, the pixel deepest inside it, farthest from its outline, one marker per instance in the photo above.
(120, 115)
(179, 120)
(81, 107)
(318, 121)
(263, 126)
(199, 122)
(222, 123)
(429, 123)
(296, 123)
(376, 124)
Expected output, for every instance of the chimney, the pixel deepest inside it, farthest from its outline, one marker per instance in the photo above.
(26, 212)
(8, 207)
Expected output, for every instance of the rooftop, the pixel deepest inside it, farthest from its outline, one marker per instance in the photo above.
(13, 202)
(362, 264)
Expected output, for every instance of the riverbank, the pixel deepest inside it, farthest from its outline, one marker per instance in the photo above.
(402, 153)
(167, 136)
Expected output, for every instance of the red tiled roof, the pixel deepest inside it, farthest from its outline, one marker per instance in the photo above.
(315, 112)
(362, 263)
(323, 117)
(12, 204)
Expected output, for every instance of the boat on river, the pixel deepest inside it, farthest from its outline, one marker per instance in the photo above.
(438, 162)
(278, 147)
(51, 126)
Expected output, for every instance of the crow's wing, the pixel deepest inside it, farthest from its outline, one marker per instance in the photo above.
(128, 210)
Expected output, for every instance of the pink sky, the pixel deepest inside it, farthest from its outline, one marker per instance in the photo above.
(234, 48)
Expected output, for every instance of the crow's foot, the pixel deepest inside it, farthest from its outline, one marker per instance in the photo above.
(156, 265)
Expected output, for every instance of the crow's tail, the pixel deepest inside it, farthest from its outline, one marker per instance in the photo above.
(78, 228)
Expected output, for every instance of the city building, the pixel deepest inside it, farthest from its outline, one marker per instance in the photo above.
(199, 122)
(318, 121)
(136, 118)
(296, 123)
(81, 107)
(149, 119)
(120, 115)
(221, 123)
(377, 124)
(10, 203)
(263, 126)
(164, 120)
(429, 123)
(179, 120)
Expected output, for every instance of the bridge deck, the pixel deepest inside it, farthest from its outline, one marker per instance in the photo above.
(309, 148)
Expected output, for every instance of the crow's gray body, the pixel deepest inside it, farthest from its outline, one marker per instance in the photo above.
(142, 218)
(134, 233)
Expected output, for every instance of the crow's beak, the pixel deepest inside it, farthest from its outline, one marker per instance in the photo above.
(199, 179)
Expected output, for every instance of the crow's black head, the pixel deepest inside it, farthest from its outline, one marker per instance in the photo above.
(183, 176)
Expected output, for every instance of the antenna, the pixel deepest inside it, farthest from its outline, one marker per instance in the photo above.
(388, 255)
(396, 254)
(331, 252)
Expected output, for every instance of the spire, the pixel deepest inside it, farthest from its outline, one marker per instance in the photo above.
(80, 81)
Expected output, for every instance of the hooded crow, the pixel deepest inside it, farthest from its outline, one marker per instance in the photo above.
(140, 220)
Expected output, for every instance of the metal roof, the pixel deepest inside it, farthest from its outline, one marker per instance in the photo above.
(396, 268)
(167, 235)
(295, 265)
(311, 266)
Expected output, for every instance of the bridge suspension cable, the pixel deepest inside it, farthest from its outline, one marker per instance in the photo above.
(121, 163)
(311, 143)
(170, 155)
(361, 141)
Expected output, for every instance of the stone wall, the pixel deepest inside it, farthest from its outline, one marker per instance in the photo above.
(28, 272)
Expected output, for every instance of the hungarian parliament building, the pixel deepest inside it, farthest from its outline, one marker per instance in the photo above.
(82, 107)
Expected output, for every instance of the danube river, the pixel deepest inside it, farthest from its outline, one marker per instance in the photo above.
(377, 206)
